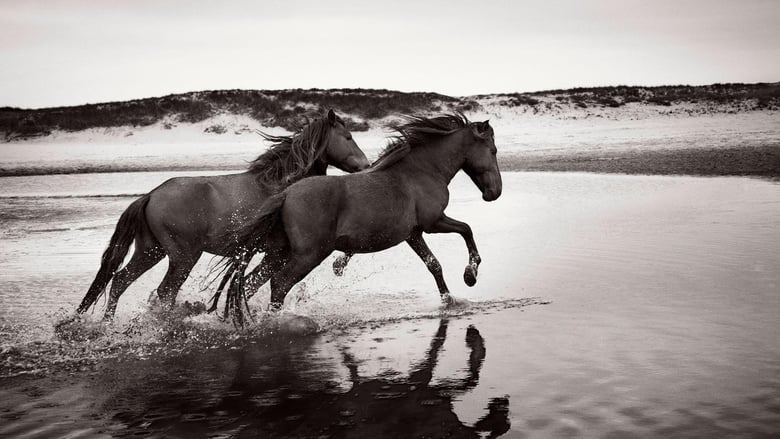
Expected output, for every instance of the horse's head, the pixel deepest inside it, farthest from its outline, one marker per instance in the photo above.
(342, 151)
(481, 164)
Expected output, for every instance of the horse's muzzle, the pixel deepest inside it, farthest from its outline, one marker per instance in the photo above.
(355, 164)
(491, 186)
(491, 195)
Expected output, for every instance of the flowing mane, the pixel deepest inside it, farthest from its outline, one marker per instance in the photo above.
(290, 158)
(417, 130)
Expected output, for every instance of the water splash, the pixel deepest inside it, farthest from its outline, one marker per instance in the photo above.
(80, 343)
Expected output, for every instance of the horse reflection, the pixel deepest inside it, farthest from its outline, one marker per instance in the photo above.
(284, 390)
(415, 408)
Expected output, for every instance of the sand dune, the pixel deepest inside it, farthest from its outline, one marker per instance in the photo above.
(608, 130)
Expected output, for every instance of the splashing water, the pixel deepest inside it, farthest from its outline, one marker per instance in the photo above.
(80, 342)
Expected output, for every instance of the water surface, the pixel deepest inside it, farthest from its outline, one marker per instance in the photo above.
(662, 322)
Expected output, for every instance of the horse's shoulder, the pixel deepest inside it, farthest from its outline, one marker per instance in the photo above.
(314, 183)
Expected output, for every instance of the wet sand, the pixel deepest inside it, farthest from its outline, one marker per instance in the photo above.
(753, 161)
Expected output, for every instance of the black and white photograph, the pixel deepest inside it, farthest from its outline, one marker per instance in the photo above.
(392, 219)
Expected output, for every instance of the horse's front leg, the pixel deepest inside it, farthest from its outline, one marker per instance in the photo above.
(417, 243)
(446, 224)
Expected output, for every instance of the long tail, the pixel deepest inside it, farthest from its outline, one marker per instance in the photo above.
(131, 221)
(252, 239)
(254, 234)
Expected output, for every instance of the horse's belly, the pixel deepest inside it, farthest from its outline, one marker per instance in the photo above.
(370, 241)
(374, 220)
(346, 244)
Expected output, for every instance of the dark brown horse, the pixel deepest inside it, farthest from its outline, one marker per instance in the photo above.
(186, 216)
(401, 196)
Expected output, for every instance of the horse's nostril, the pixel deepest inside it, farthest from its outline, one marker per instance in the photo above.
(362, 163)
(491, 195)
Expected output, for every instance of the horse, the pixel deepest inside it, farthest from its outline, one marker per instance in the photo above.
(186, 216)
(403, 195)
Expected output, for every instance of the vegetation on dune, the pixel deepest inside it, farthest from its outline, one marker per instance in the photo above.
(275, 108)
(758, 96)
(291, 108)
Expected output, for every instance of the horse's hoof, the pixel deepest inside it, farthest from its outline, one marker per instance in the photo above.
(67, 321)
(297, 325)
(451, 303)
(195, 308)
(470, 275)
(78, 329)
(338, 267)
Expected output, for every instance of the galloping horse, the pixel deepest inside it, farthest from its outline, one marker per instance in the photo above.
(401, 196)
(186, 216)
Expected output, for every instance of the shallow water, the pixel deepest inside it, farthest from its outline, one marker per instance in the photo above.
(662, 323)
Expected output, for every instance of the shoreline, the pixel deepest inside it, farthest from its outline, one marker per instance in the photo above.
(744, 161)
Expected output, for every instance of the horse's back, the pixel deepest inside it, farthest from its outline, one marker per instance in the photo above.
(193, 211)
(314, 197)
(358, 212)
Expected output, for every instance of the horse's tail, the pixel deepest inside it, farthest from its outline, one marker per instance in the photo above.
(133, 220)
(253, 235)
(248, 242)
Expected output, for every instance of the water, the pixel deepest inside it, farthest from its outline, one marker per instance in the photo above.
(661, 322)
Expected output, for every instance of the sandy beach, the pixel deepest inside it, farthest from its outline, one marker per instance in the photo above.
(680, 139)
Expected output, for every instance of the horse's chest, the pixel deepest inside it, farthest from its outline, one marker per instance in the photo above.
(428, 211)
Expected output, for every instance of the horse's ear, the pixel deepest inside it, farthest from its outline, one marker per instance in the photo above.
(331, 117)
(475, 129)
(480, 129)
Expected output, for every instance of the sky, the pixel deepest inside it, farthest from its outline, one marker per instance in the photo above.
(55, 53)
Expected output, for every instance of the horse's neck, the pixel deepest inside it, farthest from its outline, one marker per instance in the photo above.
(442, 158)
(320, 167)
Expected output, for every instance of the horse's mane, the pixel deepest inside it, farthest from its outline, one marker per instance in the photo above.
(416, 131)
(290, 158)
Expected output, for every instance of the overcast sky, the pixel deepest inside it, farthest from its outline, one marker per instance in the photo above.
(73, 52)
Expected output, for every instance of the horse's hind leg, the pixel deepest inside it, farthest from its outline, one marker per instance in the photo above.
(293, 272)
(143, 259)
(179, 268)
(271, 263)
(417, 243)
(450, 225)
